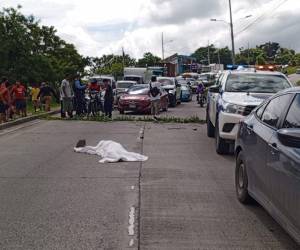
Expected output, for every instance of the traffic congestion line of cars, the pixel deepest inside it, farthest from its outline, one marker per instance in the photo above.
(257, 115)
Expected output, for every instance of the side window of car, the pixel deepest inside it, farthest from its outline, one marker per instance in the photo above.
(260, 111)
(293, 117)
(274, 110)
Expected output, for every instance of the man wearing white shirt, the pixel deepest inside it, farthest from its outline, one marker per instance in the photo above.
(155, 94)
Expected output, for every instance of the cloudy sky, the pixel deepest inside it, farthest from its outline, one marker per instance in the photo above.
(99, 27)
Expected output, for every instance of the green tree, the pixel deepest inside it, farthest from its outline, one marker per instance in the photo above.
(251, 56)
(149, 60)
(224, 54)
(34, 53)
(103, 65)
(285, 56)
(271, 49)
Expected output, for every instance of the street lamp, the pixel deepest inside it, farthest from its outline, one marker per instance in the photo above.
(231, 30)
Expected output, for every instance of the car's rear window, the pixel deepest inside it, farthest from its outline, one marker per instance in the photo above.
(257, 83)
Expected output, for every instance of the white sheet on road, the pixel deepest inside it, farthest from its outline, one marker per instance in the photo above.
(111, 151)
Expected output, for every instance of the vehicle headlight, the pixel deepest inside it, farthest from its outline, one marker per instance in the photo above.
(172, 91)
(233, 108)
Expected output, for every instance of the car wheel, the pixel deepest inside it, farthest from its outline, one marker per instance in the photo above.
(241, 180)
(222, 147)
(210, 126)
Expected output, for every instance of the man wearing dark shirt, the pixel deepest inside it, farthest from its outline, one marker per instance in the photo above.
(46, 94)
(108, 99)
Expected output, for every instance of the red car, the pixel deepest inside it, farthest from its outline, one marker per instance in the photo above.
(138, 100)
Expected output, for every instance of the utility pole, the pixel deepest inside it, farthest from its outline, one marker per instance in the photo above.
(248, 54)
(123, 55)
(162, 47)
(208, 54)
(232, 35)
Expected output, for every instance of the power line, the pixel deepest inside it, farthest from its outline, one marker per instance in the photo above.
(261, 17)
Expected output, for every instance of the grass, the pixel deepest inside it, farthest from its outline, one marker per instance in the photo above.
(291, 69)
(192, 119)
(30, 108)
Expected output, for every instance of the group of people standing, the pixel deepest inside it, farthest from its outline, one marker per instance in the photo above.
(13, 98)
(72, 93)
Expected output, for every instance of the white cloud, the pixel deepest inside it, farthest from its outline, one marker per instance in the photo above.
(105, 26)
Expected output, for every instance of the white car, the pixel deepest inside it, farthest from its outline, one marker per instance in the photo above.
(173, 88)
(121, 88)
(234, 96)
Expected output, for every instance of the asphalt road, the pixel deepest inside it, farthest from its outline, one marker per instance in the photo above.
(182, 198)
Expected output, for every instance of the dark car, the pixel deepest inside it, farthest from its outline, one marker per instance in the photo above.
(137, 99)
(268, 159)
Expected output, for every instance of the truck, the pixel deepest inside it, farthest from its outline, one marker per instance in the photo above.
(139, 75)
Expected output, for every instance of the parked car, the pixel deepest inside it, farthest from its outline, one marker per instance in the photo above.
(236, 94)
(137, 99)
(268, 159)
(121, 88)
(171, 85)
(186, 93)
(100, 79)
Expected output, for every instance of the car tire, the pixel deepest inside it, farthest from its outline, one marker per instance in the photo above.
(241, 180)
(210, 127)
(222, 147)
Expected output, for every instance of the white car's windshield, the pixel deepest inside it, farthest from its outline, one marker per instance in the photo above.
(257, 83)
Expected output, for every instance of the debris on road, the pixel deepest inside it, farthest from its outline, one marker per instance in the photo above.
(110, 151)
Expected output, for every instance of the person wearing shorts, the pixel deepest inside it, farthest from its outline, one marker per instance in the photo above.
(4, 100)
(19, 93)
(34, 96)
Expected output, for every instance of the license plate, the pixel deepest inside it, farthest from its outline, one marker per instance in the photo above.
(132, 106)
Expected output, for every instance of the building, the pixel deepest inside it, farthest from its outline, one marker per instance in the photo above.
(182, 63)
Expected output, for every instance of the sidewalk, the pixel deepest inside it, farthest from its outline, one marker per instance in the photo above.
(28, 118)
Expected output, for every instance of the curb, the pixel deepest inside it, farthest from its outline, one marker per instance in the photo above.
(26, 119)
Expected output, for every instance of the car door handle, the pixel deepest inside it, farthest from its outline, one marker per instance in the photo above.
(274, 148)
